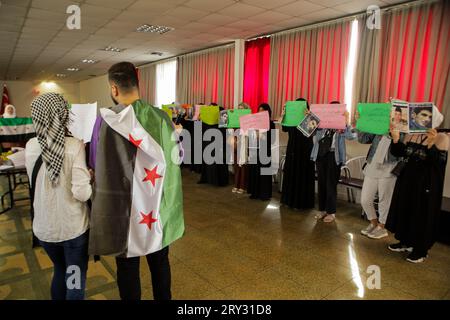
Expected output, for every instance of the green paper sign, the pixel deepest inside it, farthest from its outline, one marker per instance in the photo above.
(234, 115)
(209, 114)
(168, 110)
(374, 118)
(294, 113)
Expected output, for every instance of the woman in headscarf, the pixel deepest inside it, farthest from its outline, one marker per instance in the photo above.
(298, 186)
(10, 112)
(61, 190)
(260, 182)
(329, 154)
(416, 204)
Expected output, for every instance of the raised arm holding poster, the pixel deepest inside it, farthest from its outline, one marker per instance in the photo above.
(294, 113)
(83, 118)
(234, 116)
(374, 118)
(256, 121)
(332, 116)
(209, 114)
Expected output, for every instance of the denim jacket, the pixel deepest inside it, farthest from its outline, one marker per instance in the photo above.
(374, 139)
(340, 152)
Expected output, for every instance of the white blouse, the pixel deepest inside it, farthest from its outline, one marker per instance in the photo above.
(61, 212)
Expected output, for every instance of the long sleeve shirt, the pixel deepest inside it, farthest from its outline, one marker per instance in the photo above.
(60, 212)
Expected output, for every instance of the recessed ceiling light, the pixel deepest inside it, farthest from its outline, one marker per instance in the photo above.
(61, 75)
(154, 29)
(90, 61)
(73, 69)
(113, 49)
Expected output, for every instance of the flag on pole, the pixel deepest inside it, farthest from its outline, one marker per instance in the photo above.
(5, 99)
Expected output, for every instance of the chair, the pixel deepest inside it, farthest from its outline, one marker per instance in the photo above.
(352, 176)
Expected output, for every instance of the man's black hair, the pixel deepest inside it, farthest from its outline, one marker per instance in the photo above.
(398, 109)
(124, 76)
(417, 110)
(335, 102)
(303, 99)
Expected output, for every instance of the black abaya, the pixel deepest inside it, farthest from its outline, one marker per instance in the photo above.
(416, 202)
(298, 174)
(260, 186)
(217, 173)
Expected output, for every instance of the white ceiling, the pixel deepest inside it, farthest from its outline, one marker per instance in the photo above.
(36, 44)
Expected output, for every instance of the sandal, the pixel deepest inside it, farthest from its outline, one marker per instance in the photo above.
(320, 215)
(329, 218)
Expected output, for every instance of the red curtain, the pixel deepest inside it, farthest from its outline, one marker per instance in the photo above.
(256, 72)
(408, 58)
(206, 76)
(309, 63)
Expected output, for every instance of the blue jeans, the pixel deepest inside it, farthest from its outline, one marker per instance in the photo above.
(70, 260)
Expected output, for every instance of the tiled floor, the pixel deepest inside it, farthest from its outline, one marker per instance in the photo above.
(236, 248)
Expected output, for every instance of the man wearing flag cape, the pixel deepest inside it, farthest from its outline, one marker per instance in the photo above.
(137, 206)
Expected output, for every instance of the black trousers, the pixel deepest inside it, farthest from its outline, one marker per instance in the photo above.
(328, 174)
(128, 276)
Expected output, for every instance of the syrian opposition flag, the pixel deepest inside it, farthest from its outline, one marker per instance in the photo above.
(16, 129)
(5, 99)
(145, 227)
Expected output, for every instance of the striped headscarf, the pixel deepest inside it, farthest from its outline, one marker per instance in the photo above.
(50, 114)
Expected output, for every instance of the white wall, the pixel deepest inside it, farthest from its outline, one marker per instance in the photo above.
(96, 89)
(22, 93)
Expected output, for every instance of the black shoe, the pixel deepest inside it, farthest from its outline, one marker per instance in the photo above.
(399, 247)
(253, 197)
(415, 257)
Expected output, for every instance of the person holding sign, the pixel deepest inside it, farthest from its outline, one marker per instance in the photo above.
(239, 165)
(214, 173)
(260, 183)
(329, 154)
(298, 188)
(416, 204)
(378, 180)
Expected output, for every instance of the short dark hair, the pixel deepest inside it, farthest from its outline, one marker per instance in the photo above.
(303, 99)
(418, 110)
(398, 109)
(124, 76)
(335, 102)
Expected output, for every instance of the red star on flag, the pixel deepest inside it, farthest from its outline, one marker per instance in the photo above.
(136, 143)
(152, 175)
(148, 219)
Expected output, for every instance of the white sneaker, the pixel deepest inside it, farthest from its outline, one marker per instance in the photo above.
(368, 229)
(378, 233)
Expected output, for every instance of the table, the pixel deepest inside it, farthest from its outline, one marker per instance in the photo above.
(11, 173)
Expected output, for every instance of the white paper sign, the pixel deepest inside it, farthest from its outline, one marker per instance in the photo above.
(83, 120)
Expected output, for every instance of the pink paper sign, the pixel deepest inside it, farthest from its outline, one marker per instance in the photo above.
(257, 121)
(332, 116)
(196, 112)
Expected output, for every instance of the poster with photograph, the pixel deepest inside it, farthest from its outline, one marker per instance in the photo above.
(420, 116)
(223, 119)
(400, 116)
(309, 124)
